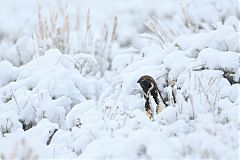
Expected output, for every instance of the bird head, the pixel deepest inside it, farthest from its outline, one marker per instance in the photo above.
(146, 82)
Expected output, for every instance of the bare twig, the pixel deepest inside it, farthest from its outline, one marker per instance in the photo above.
(14, 97)
(50, 138)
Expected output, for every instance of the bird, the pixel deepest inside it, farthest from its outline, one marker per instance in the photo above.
(150, 89)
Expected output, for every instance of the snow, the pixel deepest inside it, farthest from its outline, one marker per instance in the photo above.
(75, 116)
(71, 91)
(8, 73)
(220, 60)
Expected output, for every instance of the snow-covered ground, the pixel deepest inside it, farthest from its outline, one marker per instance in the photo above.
(69, 72)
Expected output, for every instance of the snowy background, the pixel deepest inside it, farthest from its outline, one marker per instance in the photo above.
(69, 71)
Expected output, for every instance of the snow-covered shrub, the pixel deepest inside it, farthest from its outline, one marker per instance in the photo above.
(85, 63)
(9, 122)
(41, 89)
(19, 53)
(75, 116)
(228, 62)
(24, 145)
(224, 38)
(8, 73)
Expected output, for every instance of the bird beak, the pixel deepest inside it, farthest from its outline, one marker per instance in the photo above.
(138, 81)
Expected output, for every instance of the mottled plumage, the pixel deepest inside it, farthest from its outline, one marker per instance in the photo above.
(150, 88)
